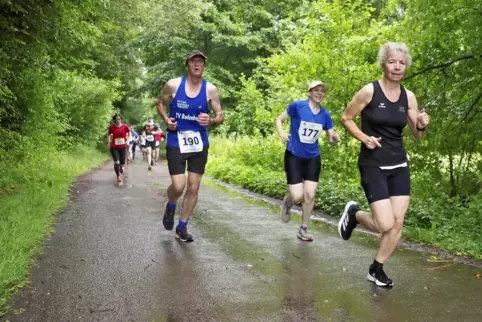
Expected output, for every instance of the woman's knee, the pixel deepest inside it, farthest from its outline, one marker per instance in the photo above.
(383, 215)
(309, 196)
(296, 196)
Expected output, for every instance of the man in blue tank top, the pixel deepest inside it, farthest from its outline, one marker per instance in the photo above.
(302, 156)
(189, 98)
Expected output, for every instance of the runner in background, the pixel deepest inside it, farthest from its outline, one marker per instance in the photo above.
(134, 142)
(142, 140)
(117, 137)
(159, 138)
(150, 143)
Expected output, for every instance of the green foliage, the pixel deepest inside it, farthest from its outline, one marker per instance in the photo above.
(85, 111)
(62, 65)
(250, 116)
(27, 214)
(233, 34)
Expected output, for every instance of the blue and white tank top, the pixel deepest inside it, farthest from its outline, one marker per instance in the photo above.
(190, 136)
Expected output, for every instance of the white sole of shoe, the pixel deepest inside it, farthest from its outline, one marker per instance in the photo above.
(343, 216)
(304, 238)
(377, 282)
(184, 240)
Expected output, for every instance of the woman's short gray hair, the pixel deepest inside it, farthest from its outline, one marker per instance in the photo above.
(392, 46)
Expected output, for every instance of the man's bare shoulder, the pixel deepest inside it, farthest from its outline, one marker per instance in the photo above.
(174, 83)
(170, 88)
(211, 88)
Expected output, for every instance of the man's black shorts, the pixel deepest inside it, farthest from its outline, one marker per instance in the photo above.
(176, 161)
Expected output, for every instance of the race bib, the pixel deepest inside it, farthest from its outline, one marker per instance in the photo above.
(119, 141)
(150, 137)
(309, 132)
(190, 141)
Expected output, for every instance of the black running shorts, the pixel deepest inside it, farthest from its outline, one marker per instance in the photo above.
(298, 169)
(151, 144)
(381, 184)
(176, 161)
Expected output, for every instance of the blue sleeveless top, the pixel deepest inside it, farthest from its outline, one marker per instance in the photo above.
(186, 111)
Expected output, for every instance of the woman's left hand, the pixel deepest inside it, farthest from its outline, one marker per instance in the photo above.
(422, 119)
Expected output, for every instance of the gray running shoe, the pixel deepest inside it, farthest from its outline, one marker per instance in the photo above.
(304, 235)
(285, 211)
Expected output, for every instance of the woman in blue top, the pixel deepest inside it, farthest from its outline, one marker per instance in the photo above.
(302, 155)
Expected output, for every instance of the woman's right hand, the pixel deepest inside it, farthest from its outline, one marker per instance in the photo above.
(372, 142)
(284, 137)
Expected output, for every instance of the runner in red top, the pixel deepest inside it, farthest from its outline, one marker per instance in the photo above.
(159, 137)
(117, 137)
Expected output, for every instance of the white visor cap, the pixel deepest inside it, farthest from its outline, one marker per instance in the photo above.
(317, 83)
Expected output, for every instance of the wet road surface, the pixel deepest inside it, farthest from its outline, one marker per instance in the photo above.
(110, 259)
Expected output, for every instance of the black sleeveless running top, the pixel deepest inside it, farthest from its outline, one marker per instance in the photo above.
(385, 119)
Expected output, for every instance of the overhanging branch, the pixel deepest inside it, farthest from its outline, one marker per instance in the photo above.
(444, 65)
(477, 99)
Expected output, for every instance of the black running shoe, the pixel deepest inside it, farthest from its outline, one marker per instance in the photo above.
(168, 219)
(183, 235)
(378, 276)
(348, 221)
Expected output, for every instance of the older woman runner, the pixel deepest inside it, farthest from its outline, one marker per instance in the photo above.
(385, 107)
(117, 137)
(302, 156)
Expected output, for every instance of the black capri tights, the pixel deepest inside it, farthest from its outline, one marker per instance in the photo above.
(119, 156)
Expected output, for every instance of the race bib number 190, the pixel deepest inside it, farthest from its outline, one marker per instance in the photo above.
(190, 141)
(309, 132)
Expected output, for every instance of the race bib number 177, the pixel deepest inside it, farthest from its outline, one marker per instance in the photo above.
(309, 132)
(190, 141)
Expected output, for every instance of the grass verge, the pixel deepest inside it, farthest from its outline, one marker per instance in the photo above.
(28, 213)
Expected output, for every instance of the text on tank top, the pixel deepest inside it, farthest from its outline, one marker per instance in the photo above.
(385, 119)
(190, 135)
